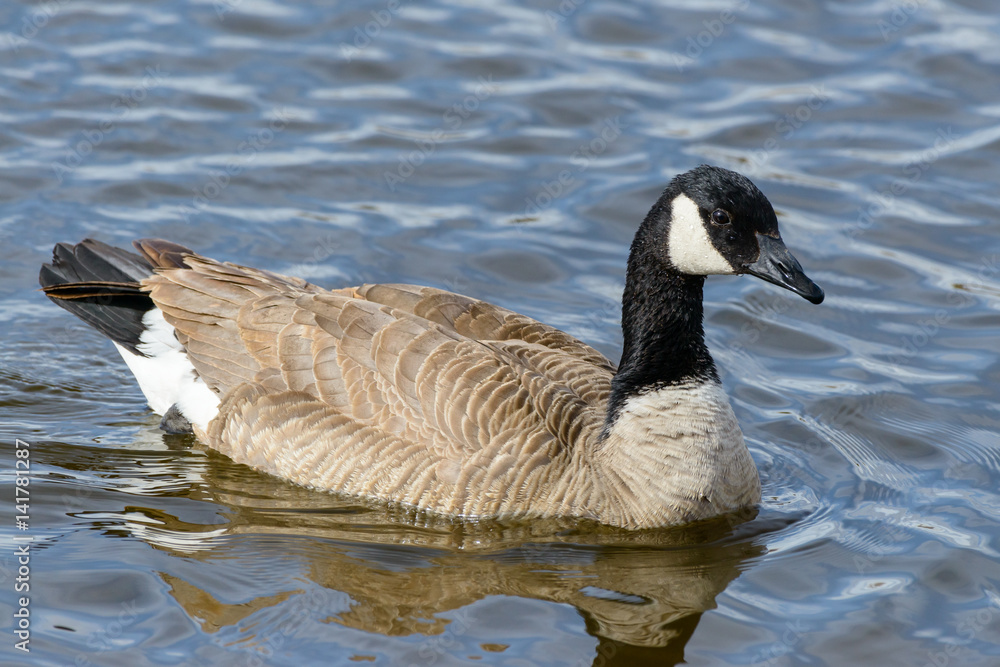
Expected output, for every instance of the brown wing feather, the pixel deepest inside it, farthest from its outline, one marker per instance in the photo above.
(477, 319)
(402, 392)
(577, 366)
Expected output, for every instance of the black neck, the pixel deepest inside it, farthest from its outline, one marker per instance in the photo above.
(662, 324)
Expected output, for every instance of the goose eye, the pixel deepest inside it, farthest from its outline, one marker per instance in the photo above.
(721, 217)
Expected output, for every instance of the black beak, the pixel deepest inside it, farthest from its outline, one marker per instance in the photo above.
(776, 265)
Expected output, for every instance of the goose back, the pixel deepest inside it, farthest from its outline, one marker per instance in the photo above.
(410, 393)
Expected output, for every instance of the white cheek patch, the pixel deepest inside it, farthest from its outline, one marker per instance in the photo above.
(691, 251)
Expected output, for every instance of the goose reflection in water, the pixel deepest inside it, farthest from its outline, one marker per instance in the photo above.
(392, 573)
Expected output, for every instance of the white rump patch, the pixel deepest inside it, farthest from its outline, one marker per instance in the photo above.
(166, 375)
(691, 251)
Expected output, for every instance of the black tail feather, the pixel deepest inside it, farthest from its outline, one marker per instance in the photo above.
(100, 284)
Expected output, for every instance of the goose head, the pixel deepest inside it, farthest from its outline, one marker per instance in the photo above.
(666, 395)
(713, 221)
(709, 221)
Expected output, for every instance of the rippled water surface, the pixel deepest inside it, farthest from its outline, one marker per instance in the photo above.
(509, 151)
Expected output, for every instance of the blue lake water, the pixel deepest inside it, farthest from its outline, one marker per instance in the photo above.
(509, 151)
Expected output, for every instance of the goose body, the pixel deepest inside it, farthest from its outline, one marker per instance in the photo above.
(443, 402)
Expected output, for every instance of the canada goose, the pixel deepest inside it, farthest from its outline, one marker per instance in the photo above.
(442, 402)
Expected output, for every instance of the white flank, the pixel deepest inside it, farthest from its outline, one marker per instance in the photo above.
(166, 375)
(691, 251)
